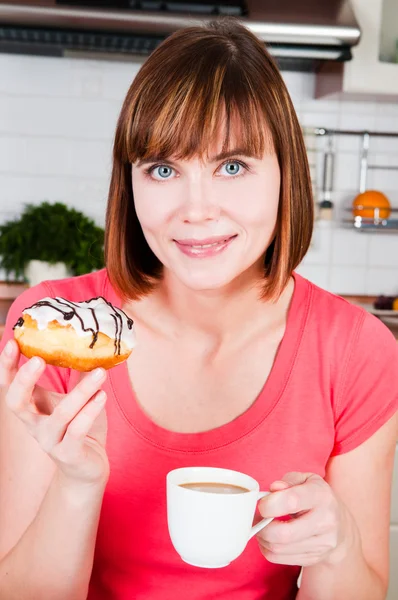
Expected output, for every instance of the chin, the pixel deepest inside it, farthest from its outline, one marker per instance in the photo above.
(206, 282)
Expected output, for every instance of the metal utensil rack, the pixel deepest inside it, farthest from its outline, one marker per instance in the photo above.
(377, 222)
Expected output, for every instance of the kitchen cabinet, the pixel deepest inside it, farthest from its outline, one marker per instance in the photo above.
(393, 587)
(373, 72)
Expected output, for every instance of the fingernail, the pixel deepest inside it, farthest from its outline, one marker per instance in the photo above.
(34, 364)
(280, 483)
(9, 348)
(97, 374)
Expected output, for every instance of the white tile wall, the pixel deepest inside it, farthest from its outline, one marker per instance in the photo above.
(351, 279)
(383, 252)
(339, 259)
(319, 274)
(380, 277)
(57, 121)
(348, 251)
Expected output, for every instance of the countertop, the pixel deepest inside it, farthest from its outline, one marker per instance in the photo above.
(8, 292)
(367, 303)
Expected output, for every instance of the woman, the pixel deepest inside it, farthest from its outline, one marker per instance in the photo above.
(241, 363)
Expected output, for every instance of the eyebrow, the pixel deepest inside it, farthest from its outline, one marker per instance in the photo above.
(213, 159)
(233, 152)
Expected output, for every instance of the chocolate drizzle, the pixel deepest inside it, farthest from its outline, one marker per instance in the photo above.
(117, 341)
(19, 323)
(72, 311)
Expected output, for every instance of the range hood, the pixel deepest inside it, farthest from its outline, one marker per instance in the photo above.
(301, 34)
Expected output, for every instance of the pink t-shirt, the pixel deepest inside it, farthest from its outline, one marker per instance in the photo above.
(333, 384)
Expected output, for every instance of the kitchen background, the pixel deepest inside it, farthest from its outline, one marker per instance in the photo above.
(57, 121)
(58, 117)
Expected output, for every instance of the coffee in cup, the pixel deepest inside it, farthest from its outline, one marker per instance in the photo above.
(210, 514)
(215, 488)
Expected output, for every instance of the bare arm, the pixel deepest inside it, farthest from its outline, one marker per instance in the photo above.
(54, 557)
(53, 472)
(361, 479)
(340, 529)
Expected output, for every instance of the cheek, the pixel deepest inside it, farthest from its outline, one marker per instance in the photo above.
(153, 207)
(264, 211)
(257, 205)
(267, 200)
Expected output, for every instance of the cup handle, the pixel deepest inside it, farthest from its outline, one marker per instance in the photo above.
(256, 528)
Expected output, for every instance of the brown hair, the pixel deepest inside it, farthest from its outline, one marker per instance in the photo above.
(173, 107)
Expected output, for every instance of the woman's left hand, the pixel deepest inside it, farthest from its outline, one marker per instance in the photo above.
(319, 527)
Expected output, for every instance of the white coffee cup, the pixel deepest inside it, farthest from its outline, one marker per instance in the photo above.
(211, 528)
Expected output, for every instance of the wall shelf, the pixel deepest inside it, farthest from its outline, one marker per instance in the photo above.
(362, 224)
(374, 224)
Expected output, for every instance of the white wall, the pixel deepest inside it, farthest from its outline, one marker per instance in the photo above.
(341, 260)
(57, 120)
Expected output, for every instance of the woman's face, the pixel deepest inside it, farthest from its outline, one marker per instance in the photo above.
(208, 221)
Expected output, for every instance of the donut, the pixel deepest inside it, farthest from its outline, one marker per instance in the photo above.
(75, 335)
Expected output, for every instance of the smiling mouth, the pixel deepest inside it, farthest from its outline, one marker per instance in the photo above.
(207, 242)
(204, 248)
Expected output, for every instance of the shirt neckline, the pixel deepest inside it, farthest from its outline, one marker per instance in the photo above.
(242, 425)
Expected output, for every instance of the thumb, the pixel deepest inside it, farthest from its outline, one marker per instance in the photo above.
(9, 360)
(289, 480)
(294, 478)
(279, 485)
(281, 503)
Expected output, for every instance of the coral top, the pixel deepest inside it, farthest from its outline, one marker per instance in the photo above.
(334, 382)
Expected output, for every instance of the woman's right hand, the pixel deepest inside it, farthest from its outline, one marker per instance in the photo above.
(70, 428)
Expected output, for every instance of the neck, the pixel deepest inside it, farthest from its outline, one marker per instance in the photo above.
(218, 314)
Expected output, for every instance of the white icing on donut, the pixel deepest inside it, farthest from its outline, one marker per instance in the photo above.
(87, 319)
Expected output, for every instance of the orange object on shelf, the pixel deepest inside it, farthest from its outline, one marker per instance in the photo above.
(364, 205)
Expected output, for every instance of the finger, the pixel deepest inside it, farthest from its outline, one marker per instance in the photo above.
(295, 499)
(53, 428)
(79, 428)
(45, 401)
(19, 394)
(316, 544)
(296, 477)
(298, 560)
(9, 362)
(277, 486)
(311, 523)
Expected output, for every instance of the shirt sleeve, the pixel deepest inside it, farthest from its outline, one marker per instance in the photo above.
(368, 397)
(53, 378)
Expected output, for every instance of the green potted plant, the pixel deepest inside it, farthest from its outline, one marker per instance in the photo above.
(50, 241)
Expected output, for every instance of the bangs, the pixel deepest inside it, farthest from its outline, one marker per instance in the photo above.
(205, 91)
(184, 114)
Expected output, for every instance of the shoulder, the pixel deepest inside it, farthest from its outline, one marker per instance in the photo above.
(342, 333)
(78, 288)
(324, 303)
(336, 318)
(357, 356)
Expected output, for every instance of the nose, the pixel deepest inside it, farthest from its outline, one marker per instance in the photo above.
(199, 203)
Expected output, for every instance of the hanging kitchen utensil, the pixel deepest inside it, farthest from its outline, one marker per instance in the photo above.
(326, 203)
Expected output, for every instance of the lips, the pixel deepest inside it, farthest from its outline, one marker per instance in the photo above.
(205, 247)
(211, 241)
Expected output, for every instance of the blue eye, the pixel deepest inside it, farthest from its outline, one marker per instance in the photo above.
(160, 172)
(232, 167)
